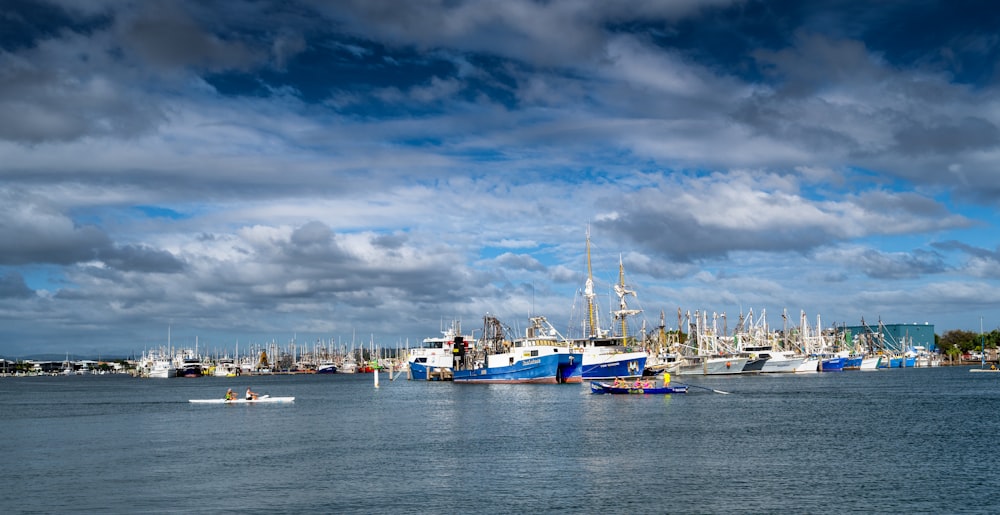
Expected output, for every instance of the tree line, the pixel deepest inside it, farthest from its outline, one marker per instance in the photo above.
(957, 342)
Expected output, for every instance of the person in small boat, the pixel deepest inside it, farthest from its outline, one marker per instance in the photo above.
(620, 383)
(251, 396)
(230, 395)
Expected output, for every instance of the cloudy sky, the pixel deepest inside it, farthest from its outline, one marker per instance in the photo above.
(266, 171)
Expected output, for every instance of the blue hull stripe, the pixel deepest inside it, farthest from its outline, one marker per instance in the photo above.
(614, 369)
(544, 369)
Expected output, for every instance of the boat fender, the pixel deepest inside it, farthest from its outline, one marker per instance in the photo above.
(728, 364)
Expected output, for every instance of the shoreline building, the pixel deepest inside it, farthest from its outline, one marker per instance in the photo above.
(895, 337)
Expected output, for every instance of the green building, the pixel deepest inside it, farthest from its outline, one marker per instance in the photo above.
(898, 337)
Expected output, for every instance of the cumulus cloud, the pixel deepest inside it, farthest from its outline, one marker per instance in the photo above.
(280, 165)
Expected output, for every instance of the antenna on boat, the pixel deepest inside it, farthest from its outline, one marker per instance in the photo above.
(531, 310)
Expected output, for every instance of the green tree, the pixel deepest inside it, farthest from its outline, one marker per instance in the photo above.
(963, 341)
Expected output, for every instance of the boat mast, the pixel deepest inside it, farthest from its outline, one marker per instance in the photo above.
(623, 311)
(588, 292)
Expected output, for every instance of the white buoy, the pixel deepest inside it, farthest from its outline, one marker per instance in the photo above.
(375, 373)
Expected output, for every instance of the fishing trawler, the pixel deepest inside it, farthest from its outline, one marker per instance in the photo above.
(541, 356)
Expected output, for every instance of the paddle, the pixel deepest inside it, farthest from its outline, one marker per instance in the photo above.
(709, 389)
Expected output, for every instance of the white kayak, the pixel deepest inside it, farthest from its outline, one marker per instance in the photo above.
(262, 398)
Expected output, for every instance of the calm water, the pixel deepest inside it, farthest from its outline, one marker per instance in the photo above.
(903, 441)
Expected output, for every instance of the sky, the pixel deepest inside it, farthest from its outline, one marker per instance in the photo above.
(243, 172)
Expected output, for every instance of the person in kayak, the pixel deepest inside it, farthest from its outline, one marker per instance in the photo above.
(251, 396)
(230, 396)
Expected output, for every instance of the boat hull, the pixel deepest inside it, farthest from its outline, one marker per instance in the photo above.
(602, 388)
(598, 367)
(713, 367)
(423, 372)
(754, 366)
(548, 369)
(809, 365)
(853, 362)
(833, 364)
(259, 400)
(782, 365)
(870, 363)
(162, 371)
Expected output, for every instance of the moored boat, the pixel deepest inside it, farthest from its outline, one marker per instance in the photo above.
(754, 365)
(853, 362)
(809, 365)
(832, 363)
(712, 366)
(779, 361)
(434, 359)
(162, 368)
(348, 365)
(870, 363)
(542, 356)
(191, 367)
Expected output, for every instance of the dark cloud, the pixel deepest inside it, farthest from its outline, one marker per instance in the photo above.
(12, 286)
(390, 241)
(972, 250)
(142, 258)
(896, 266)
(35, 232)
(964, 135)
(166, 36)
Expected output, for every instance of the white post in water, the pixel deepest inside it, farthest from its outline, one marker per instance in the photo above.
(375, 373)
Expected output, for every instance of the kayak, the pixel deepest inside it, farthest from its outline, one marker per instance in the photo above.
(258, 400)
(596, 387)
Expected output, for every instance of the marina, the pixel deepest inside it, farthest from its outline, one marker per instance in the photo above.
(346, 447)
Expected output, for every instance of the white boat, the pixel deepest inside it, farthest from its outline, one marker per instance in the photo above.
(779, 361)
(809, 365)
(258, 400)
(870, 362)
(226, 368)
(348, 365)
(434, 359)
(162, 368)
(711, 366)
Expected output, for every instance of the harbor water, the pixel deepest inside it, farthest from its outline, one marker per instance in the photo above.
(888, 441)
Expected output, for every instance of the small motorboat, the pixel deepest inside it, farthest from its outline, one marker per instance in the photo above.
(258, 400)
(598, 387)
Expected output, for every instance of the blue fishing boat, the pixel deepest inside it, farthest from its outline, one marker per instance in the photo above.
(853, 362)
(832, 363)
(541, 356)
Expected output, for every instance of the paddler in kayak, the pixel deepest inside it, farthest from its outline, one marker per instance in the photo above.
(251, 396)
(230, 396)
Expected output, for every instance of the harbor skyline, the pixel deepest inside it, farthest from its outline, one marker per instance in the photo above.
(264, 172)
